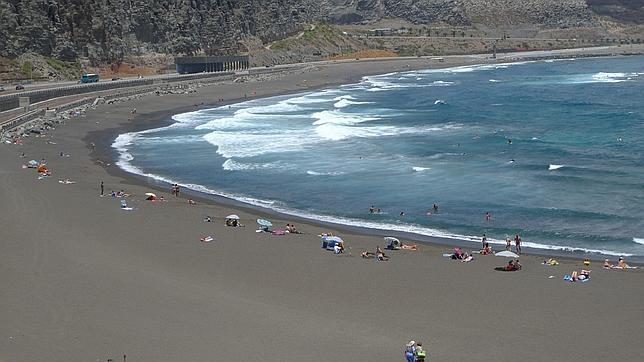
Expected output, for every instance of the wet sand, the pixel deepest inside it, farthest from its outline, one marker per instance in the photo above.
(84, 280)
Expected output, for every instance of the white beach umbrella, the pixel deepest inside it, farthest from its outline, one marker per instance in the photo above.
(232, 217)
(264, 222)
(507, 254)
(150, 194)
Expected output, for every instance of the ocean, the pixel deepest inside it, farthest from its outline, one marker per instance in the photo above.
(552, 150)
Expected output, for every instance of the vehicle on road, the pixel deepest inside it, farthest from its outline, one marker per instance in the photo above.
(1, 88)
(20, 87)
(89, 78)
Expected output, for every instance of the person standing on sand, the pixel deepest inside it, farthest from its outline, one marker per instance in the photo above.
(420, 353)
(102, 188)
(508, 243)
(517, 243)
(410, 351)
(484, 240)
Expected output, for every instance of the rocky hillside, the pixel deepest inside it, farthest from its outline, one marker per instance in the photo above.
(106, 31)
(631, 11)
(550, 13)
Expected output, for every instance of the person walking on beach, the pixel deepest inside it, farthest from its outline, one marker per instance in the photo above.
(517, 243)
(420, 353)
(484, 240)
(508, 243)
(102, 188)
(410, 351)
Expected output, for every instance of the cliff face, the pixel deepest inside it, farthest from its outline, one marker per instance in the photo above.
(631, 11)
(552, 13)
(107, 30)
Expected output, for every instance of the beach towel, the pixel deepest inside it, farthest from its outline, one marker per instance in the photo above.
(278, 232)
(66, 182)
(207, 239)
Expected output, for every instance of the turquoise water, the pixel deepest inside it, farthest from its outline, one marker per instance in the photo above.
(572, 176)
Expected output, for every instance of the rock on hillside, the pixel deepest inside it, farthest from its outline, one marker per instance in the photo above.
(550, 13)
(108, 30)
(622, 10)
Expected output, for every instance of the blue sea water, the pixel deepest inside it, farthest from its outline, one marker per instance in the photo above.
(571, 178)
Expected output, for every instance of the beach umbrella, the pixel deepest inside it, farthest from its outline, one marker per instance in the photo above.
(507, 254)
(390, 240)
(264, 222)
(335, 239)
(233, 217)
(150, 194)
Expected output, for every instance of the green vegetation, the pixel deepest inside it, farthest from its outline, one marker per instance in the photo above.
(64, 67)
(26, 68)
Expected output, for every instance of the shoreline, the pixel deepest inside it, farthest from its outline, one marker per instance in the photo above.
(164, 118)
(83, 279)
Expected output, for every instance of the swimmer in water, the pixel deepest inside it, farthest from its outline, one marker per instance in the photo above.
(509, 141)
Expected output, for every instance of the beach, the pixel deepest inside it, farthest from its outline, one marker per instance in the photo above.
(84, 280)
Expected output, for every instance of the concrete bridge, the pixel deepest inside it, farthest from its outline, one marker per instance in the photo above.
(211, 64)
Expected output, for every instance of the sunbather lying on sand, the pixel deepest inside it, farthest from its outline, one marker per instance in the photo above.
(579, 277)
(67, 181)
(513, 265)
(367, 254)
(409, 247)
(623, 265)
(486, 249)
(380, 255)
(551, 262)
(467, 258)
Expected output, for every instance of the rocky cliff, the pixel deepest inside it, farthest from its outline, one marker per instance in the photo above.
(108, 30)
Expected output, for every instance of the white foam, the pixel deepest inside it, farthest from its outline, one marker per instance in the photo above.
(255, 143)
(124, 140)
(420, 169)
(639, 240)
(232, 165)
(316, 173)
(336, 117)
(494, 80)
(441, 83)
(554, 167)
(338, 132)
(346, 102)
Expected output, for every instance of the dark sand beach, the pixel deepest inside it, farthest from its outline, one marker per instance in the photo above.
(83, 280)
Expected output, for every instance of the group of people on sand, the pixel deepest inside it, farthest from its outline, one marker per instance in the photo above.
(513, 265)
(621, 264)
(120, 193)
(508, 243)
(234, 223)
(175, 189)
(414, 352)
(379, 254)
(462, 256)
(290, 228)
